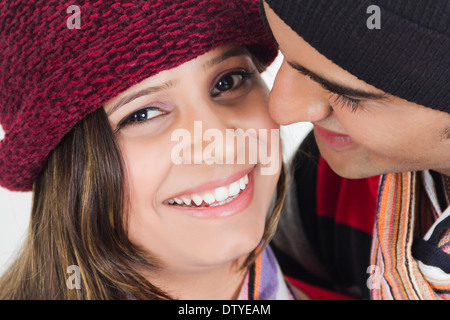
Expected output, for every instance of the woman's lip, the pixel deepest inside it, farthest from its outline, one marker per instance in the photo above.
(209, 186)
(237, 205)
(335, 140)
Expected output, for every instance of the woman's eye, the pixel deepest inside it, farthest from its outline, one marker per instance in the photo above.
(230, 81)
(144, 114)
(140, 116)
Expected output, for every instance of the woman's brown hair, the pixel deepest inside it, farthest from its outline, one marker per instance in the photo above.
(76, 219)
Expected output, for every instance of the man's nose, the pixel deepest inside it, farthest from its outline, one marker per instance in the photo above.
(297, 98)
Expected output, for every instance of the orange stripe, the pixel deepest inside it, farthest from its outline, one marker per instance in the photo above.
(443, 287)
(385, 218)
(380, 222)
(258, 263)
(394, 230)
(404, 234)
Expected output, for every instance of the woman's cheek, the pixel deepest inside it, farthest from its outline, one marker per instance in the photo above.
(147, 163)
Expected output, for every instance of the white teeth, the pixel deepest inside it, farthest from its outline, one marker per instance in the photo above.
(221, 193)
(209, 198)
(197, 199)
(242, 183)
(217, 195)
(234, 189)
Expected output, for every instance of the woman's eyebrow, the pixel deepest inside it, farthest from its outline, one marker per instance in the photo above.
(132, 96)
(233, 52)
(238, 51)
(338, 88)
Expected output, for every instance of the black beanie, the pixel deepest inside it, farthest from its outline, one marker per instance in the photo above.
(408, 56)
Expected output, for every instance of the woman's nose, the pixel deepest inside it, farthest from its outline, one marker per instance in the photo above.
(297, 98)
(210, 136)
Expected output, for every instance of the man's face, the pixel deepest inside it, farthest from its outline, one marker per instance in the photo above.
(361, 131)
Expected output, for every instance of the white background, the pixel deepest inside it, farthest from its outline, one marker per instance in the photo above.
(15, 206)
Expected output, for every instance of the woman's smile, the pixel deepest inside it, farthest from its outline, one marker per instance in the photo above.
(216, 199)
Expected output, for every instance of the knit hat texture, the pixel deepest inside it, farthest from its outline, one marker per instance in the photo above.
(408, 57)
(52, 76)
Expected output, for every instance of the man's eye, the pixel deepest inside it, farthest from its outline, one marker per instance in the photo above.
(348, 102)
(230, 81)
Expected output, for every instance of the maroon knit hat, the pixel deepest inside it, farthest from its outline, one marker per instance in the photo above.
(52, 76)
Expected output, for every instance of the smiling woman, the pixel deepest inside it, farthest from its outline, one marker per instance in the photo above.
(107, 197)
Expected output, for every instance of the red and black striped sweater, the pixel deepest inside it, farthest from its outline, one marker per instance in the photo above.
(323, 242)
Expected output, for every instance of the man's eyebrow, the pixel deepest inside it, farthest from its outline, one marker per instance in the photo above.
(130, 97)
(337, 88)
(233, 52)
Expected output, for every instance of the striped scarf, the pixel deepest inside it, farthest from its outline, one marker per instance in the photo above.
(265, 281)
(405, 262)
